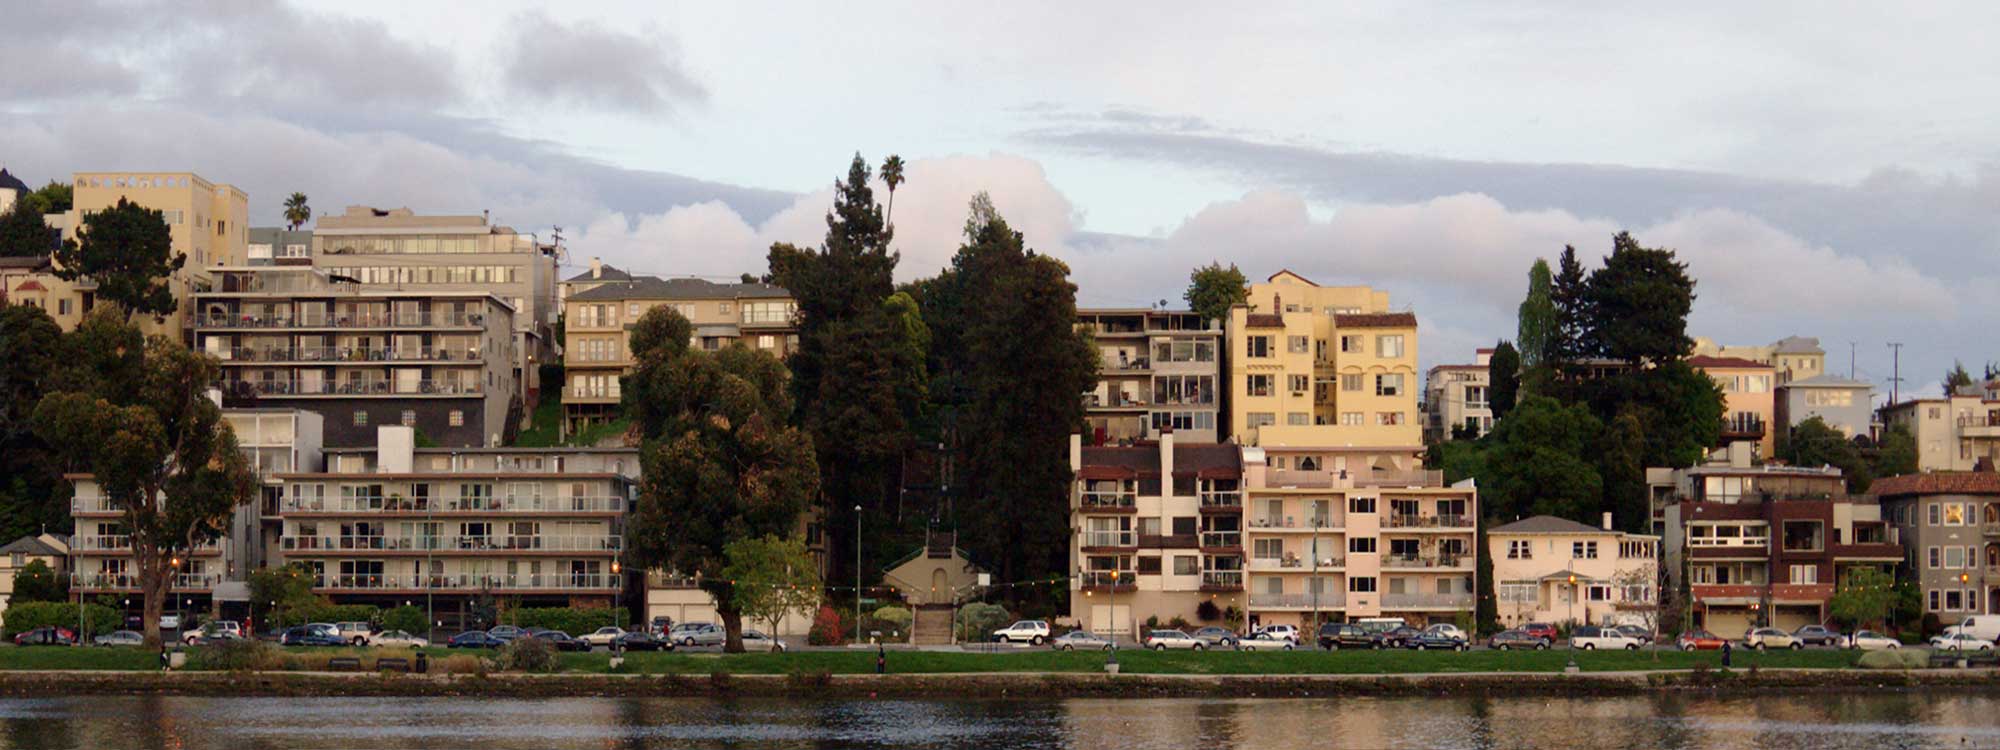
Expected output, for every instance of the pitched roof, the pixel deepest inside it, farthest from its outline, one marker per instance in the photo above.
(1376, 320)
(10, 182)
(1938, 483)
(1824, 380)
(30, 262)
(1131, 461)
(1797, 345)
(648, 287)
(1547, 525)
(1264, 320)
(606, 273)
(30, 545)
(1706, 361)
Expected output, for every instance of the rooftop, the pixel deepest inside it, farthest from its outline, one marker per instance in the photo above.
(1797, 345)
(648, 287)
(1547, 525)
(10, 182)
(1938, 483)
(1376, 320)
(1201, 459)
(1824, 380)
(1706, 362)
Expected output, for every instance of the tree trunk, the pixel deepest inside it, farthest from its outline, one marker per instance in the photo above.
(732, 627)
(154, 580)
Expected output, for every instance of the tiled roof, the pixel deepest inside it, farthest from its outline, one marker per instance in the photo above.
(1938, 483)
(1376, 320)
(1201, 459)
(647, 287)
(1705, 361)
(1264, 320)
(1547, 525)
(30, 545)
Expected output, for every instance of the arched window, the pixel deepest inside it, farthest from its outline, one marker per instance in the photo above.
(1991, 514)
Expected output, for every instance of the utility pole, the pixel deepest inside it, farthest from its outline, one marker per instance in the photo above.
(1850, 360)
(1896, 379)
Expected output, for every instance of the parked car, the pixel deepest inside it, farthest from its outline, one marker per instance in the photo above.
(701, 634)
(210, 639)
(1399, 637)
(120, 638)
(1593, 638)
(560, 640)
(1380, 624)
(1769, 638)
(1818, 635)
(227, 628)
(1983, 627)
(1432, 640)
(1080, 640)
(1542, 630)
(1216, 637)
(1287, 632)
(506, 633)
(1960, 642)
(46, 636)
(474, 639)
(1642, 635)
(1334, 636)
(354, 632)
(1161, 640)
(1449, 630)
(660, 625)
(1507, 640)
(308, 635)
(170, 622)
(1699, 640)
(1869, 640)
(641, 641)
(603, 636)
(1266, 641)
(396, 639)
(756, 640)
(1033, 632)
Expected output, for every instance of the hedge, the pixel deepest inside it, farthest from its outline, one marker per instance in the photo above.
(408, 619)
(26, 616)
(330, 613)
(575, 621)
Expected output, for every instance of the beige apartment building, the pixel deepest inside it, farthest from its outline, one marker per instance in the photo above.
(1791, 358)
(1749, 399)
(1158, 370)
(598, 274)
(1156, 531)
(362, 355)
(1455, 398)
(1549, 569)
(1955, 433)
(396, 524)
(397, 249)
(1322, 366)
(598, 324)
(208, 223)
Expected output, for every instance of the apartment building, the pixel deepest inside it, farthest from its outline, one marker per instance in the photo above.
(1455, 398)
(1949, 522)
(1845, 405)
(1959, 432)
(597, 275)
(1791, 358)
(396, 524)
(598, 325)
(1549, 569)
(1321, 366)
(1337, 534)
(1156, 531)
(397, 249)
(1158, 370)
(1748, 399)
(362, 355)
(1766, 544)
(278, 246)
(277, 441)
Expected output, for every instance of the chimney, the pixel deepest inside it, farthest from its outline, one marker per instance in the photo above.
(1607, 520)
(596, 268)
(1277, 302)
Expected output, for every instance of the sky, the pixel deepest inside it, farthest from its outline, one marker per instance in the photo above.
(1825, 169)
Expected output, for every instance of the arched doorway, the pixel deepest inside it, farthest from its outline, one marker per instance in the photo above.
(940, 587)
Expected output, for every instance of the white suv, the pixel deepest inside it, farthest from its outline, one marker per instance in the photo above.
(354, 632)
(1288, 633)
(1034, 632)
(1590, 638)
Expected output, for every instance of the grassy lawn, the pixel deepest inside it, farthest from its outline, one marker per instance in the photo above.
(1182, 662)
(57, 657)
(545, 429)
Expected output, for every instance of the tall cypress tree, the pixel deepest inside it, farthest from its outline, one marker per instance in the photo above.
(1538, 333)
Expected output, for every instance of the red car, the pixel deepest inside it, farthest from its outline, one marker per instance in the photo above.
(46, 636)
(1698, 640)
(1541, 630)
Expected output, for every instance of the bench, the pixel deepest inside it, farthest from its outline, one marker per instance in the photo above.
(344, 663)
(389, 663)
(1949, 657)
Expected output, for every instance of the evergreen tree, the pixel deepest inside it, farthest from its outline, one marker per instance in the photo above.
(32, 493)
(1956, 378)
(1622, 465)
(36, 582)
(1504, 377)
(128, 251)
(1540, 463)
(1212, 290)
(1815, 443)
(1569, 294)
(23, 232)
(1539, 331)
(1639, 303)
(1897, 453)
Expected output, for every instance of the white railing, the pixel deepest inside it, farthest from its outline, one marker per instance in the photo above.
(184, 581)
(344, 320)
(370, 387)
(1107, 578)
(1226, 578)
(1109, 539)
(496, 504)
(1109, 499)
(123, 543)
(1427, 600)
(1441, 561)
(1325, 600)
(1221, 539)
(498, 543)
(1729, 541)
(589, 581)
(1222, 499)
(93, 504)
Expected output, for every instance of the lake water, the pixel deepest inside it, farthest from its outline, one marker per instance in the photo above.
(1889, 720)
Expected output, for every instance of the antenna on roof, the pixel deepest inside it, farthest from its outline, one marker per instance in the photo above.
(1896, 379)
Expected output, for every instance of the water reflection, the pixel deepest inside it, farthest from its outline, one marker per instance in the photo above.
(1848, 720)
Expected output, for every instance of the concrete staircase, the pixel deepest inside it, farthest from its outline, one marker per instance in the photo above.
(932, 626)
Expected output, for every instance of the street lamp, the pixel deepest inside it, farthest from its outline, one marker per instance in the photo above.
(857, 573)
(617, 594)
(1572, 616)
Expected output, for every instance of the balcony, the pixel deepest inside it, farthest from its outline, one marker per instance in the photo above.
(1325, 600)
(1108, 501)
(352, 388)
(1293, 478)
(127, 582)
(459, 506)
(1290, 523)
(1755, 542)
(1169, 541)
(1441, 522)
(93, 505)
(1221, 540)
(122, 544)
(1222, 501)
(340, 354)
(558, 582)
(1109, 540)
(1105, 580)
(1426, 601)
(1743, 426)
(577, 393)
(343, 320)
(1975, 426)
(1422, 562)
(1295, 564)
(601, 544)
(1223, 581)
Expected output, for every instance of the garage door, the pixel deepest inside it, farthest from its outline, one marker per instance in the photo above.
(1728, 623)
(1105, 619)
(1791, 618)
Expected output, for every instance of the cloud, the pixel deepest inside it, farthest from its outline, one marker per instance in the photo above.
(590, 64)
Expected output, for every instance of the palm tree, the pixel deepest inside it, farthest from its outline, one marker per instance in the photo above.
(892, 175)
(296, 211)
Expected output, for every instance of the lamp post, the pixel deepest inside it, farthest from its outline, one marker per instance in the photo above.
(173, 573)
(857, 573)
(617, 593)
(430, 550)
(1571, 665)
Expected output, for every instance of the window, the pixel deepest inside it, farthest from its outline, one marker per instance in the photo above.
(1934, 600)
(1389, 346)
(1518, 593)
(1936, 517)
(1520, 549)
(1361, 545)
(1298, 418)
(1389, 384)
(1403, 548)
(1388, 418)
(1350, 382)
(1361, 584)
(1350, 344)
(1954, 557)
(1298, 344)
(767, 342)
(456, 418)
(360, 418)
(1953, 601)
(1260, 346)
(1936, 559)
(1805, 574)
(1187, 565)
(1475, 397)
(1361, 505)
(1954, 514)
(1352, 418)
(1583, 550)
(1149, 565)
(1300, 383)
(1598, 593)
(1267, 549)
(724, 308)
(1259, 385)
(62, 306)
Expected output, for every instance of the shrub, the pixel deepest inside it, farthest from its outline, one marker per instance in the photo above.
(459, 664)
(1894, 659)
(36, 582)
(1152, 622)
(410, 619)
(571, 620)
(528, 655)
(896, 616)
(827, 629)
(977, 621)
(26, 616)
(1207, 611)
(1178, 623)
(234, 656)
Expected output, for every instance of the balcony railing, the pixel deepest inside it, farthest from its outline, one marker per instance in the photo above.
(1290, 522)
(181, 582)
(1102, 578)
(1169, 541)
(1419, 561)
(578, 391)
(1222, 499)
(1110, 539)
(382, 387)
(1333, 479)
(1976, 420)
(337, 354)
(1441, 521)
(546, 581)
(600, 543)
(123, 543)
(1222, 539)
(1109, 499)
(1742, 425)
(1222, 578)
(1325, 600)
(348, 320)
(93, 504)
(1729, 541)
(473, 505)
(1429, 601)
